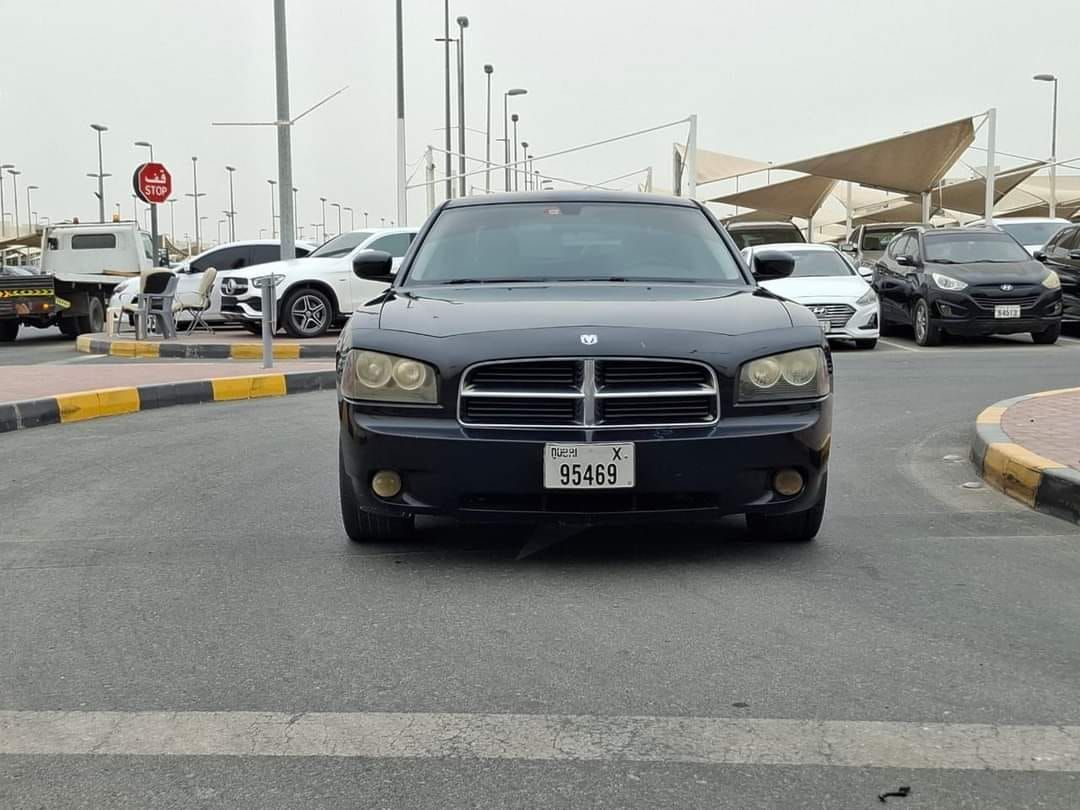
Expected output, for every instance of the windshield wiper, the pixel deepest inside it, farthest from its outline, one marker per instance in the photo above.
(494, 281)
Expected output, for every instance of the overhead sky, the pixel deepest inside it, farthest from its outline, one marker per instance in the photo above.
(773, 81)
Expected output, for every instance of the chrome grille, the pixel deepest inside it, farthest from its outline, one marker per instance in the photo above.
(991, 296)
(588, 393)
(836, 315)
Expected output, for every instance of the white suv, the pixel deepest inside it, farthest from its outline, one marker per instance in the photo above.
(314, 293)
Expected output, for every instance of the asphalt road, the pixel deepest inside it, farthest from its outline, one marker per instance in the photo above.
(192, 560)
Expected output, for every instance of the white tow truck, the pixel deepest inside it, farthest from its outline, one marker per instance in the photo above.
(80, 264)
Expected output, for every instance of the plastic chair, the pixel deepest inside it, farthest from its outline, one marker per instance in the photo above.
(158, 291)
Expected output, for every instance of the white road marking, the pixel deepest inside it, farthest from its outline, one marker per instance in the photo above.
(903, 346)
(704, 740)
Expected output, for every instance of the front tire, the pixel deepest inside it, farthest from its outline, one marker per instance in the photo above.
(927, 333)
(362, 526)
(1048, 336)
(307, 313)
(798, 527)
(9, 330)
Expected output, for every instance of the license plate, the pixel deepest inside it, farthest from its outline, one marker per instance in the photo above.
(1007, 311)
(588, 466)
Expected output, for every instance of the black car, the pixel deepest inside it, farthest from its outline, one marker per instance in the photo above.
(581, 358)
(966, 281)
(1062, 255)
(750, 233)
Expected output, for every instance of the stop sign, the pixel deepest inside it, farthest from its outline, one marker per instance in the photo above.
(153, 183)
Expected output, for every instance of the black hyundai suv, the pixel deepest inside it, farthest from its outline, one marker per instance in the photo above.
(581, 357)
(966, 281)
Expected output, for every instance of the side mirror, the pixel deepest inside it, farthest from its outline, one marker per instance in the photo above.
(772, 264)
(1074, 255)
(1040, 255)
(906, 261)
(374, 265)
(848, 247)
(866, 271)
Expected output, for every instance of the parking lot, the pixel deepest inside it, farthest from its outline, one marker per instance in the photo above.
(201, 567)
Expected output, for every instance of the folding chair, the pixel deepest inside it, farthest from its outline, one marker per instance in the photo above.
(195, 304)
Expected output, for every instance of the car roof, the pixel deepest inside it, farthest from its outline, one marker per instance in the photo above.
(569, 196)
(1020, 221)
(891, 226)
(250, 242)
(795, 246)
(746, 226)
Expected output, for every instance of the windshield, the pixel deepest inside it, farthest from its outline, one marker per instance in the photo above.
(1031, 233)
(573, 241)
(968, 248)
(341, 245)
(766, 236)
(819, 263)
(879, 239)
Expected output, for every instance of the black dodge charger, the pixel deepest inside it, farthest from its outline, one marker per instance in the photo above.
(581, 358)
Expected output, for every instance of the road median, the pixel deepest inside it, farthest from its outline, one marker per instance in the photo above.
(1029, 448)
(227, 346)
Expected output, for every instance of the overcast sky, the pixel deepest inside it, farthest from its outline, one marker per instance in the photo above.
(768, 80)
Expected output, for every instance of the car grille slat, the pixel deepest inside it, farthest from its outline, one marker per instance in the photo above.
(589, 393)
(836, 315)
(989, 297)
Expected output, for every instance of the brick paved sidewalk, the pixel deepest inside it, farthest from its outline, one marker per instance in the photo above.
(21, 383)
(1047, 425)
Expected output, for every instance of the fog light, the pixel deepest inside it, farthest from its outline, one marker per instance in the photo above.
(387, 483)
(788, 482)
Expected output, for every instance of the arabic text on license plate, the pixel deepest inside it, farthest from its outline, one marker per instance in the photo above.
(588, 466)
(1007, 311)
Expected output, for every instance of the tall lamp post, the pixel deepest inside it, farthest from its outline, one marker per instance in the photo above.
(195, 196)
(352, 221)
(323, 201)
(273, 209)
(15, 195)
(463, 23)
(488, 70)
(99, 128)
(172, 223)
(232, 205)
(516, 91)
(1049, 77)
(446, 77)
(29, 216)
(525, 156)
(3, 213)
(338, 207)
(515, 118)
(365, 219)
(296, 213)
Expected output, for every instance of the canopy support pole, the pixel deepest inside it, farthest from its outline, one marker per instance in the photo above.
(847, 223)
(926, 208)
(691, 159)
(676, 173)
(810, 229)
(991, 133)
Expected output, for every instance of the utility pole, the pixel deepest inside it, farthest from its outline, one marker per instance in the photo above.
(402, 202)
(449, 142)
(463, 23)
(284, 141)
(488, 69)
(232, 205)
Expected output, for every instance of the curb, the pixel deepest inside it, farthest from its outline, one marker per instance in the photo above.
(83, 405)
(1041, 483)
(201, 351)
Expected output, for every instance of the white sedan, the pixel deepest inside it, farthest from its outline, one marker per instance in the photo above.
(232, 256)
(825, 282)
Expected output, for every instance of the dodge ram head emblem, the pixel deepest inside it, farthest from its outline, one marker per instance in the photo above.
(589, 340)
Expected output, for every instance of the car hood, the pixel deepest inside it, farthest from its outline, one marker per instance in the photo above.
(447, 311)
(821, 287)
(1030, 272)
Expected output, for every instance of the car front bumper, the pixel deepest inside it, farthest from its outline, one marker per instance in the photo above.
(865, 324)
(958, 314)
(681, 473)
(246, 307)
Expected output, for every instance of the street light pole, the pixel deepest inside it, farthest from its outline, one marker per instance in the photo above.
(273, 209)
(515, 91)
(402, 203)
(1049, 77)
(29, 216)
(488, 69)
(338, 207)
(15, 195)
(446, 77)
(365, 219)
(284, 144)
(323, 201)
(525, 156)
(3, 213)
(99, 128)
(352, 222)
(232, 205)
(172, 224)
(463, 23)
(195, 196)
(515, 118)
(296, 213)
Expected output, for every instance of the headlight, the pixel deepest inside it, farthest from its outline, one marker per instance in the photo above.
(947, 282)
(378, 377)
(1052, 281)
(800, 374)
(868, 297)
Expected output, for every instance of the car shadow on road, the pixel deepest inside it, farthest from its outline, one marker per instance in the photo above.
(726, 540)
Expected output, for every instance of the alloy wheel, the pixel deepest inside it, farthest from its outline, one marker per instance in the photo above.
(308, 313)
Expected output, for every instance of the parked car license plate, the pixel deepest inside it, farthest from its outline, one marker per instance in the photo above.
(588, 466)
(1007, 311)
